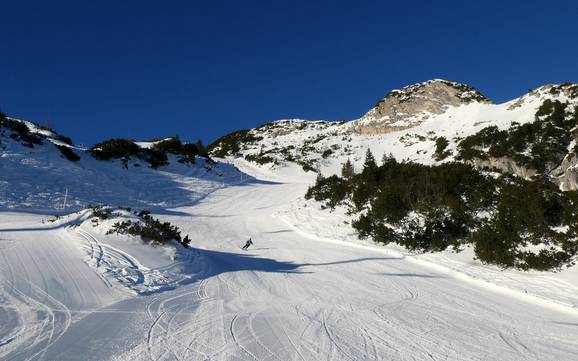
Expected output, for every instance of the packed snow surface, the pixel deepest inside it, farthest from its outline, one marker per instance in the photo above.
(68, 291)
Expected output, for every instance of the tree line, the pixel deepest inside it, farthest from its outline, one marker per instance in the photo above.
(509, 221)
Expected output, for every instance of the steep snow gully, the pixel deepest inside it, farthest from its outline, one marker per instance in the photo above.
(287, 298)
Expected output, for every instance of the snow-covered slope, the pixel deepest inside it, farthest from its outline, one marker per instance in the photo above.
(290, 297)
(39, 176)
(306, 290)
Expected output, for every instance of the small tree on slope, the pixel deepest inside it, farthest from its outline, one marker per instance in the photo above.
(347, 170)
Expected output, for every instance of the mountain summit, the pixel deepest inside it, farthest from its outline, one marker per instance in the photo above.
(411, 105)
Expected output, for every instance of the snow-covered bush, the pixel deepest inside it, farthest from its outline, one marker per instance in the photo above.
(169, 145)
(150, 230)
(260, 159)
(230, 144)
(156, 155)
(68, 153)
(102, 212)
(115, 148)
(20, 130)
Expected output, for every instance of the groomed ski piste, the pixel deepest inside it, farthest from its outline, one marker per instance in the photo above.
(306, 289)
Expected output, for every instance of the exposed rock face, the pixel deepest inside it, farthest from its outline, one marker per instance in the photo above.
(567, 173)
(505, 165)
(408, 107)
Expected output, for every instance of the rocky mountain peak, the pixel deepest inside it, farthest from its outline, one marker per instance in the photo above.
(569, 90)
(440, 89)
(409, 106)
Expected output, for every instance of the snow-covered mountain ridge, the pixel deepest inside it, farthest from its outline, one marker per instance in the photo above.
(39, 168)
(407, 123)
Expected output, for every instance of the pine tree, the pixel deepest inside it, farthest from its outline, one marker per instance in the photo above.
(441, 151)
(369, 165)
(387, 159)
(367, 182)
(185, 242)
(347, 170)
(201, 148)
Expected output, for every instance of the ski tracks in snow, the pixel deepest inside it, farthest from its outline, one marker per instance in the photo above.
(42, 320)
(107, 259)
(290, 299)
(164, 337)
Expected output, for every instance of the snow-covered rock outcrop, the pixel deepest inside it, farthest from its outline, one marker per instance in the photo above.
(413, 104)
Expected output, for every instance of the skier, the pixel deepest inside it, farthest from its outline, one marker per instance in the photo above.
(247, 244)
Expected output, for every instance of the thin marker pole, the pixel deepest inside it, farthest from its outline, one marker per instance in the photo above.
(65, 197)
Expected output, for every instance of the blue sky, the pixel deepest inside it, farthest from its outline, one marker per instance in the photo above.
(200, 69)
